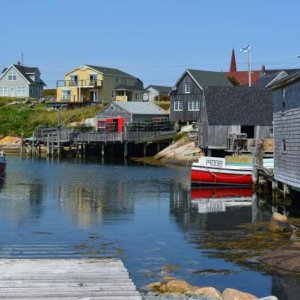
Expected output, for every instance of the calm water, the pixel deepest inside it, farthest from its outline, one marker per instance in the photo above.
(143, 215)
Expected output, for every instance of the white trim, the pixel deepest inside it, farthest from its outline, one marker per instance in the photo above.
(279, 76)
(187, 72)
(245, 171)
(9, 68)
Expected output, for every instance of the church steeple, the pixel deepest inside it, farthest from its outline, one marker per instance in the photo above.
(232, 63)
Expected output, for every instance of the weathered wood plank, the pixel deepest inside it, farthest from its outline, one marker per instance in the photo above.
(65, 279)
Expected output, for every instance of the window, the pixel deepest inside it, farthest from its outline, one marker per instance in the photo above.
(137, 96)
(74, 80)
(178, 106)
(3, 91)
(66, 96)
(19, 91)
(113, 94)
(12, 75)
(125, 81)
(187, 87)
(193, 105)
(283, 142)
(93, 79)
(283, 100)
(117, 80)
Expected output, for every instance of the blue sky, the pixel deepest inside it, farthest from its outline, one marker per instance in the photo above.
(153, 40)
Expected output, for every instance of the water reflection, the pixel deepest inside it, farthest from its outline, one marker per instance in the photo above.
(148, 216)
(214, 208)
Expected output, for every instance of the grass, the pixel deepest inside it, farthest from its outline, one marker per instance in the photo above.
(18, 118)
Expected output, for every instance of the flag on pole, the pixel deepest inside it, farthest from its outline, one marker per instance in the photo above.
(245, 49)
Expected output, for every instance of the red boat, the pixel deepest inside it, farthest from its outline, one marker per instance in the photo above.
(215, 171)
(2, 162)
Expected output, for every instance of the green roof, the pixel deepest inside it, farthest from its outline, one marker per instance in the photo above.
(110, 71)
(209, 78)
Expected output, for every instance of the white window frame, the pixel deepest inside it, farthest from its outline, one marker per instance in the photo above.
(66, 98)
(137, 96)
(178, 105)
(187, 87)
(12, 76)
(193, 105)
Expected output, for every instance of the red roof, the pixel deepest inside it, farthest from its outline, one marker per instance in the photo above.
(243, 76)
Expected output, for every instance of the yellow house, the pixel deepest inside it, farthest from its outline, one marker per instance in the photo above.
(93, 84)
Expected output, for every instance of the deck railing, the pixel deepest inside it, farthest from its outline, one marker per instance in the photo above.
(79, 83)
(69, 136)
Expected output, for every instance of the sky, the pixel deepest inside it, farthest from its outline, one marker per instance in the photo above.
(154, 40)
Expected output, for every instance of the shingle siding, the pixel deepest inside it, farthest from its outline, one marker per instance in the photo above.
(179, 95)
(292, 97)
(287, 163)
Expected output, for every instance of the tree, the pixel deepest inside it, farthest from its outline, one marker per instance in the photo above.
(233, 80)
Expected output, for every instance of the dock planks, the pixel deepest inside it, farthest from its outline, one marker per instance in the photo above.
(61, 279)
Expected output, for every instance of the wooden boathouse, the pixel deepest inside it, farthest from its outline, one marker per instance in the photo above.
(286, 121)
(233, 119)
(122, 129)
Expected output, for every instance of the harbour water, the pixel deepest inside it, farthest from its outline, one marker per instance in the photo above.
(141, 214)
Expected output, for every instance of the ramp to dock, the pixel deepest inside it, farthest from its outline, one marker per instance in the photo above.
(61, 279)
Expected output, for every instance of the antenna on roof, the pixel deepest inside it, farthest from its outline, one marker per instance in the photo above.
(22, 59)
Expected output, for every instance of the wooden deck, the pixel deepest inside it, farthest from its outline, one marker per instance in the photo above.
(84, 279)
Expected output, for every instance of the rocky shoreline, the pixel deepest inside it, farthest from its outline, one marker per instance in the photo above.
(280, 255)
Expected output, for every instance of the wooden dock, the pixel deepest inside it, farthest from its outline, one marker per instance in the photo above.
(61, 279)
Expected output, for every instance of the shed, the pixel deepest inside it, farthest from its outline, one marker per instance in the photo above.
(233, 110)
(133, 111)
(286, 121)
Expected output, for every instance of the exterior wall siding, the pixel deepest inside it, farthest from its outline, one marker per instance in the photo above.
(114, 111)
(287, 163)
(150, 94)
(179, 95)
(13, 85)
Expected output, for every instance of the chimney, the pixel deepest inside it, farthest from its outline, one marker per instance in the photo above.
(263, 69)
(232, 63)
(19, 63)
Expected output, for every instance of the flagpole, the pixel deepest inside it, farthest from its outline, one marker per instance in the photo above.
(249, 62)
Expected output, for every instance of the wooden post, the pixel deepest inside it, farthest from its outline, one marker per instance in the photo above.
(125, 150)
(158, 147)
(48, 145)
(102, 149)
(58, 142)
(21, 149)
(145, 149)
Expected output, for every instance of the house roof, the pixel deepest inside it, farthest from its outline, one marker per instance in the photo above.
(269, 76)
(140, 108)
(243, 76)
(286, 80)
(209, 78)
(139, 86)
(110, 71)
(26, 72)
(161, 88)
(248, 106)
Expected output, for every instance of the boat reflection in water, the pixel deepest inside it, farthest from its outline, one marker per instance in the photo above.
(216, 199)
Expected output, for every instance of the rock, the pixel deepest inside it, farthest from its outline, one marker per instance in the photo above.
(154, 286)
(285, 258)
(209, 293)
(176, 286)
(232, 294)
(279, 223)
